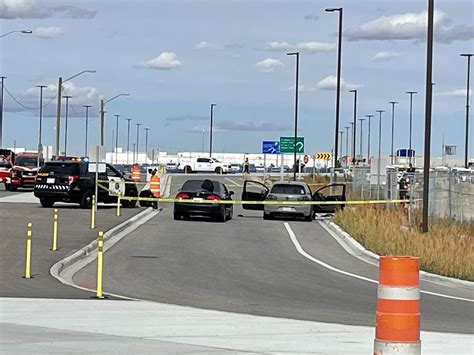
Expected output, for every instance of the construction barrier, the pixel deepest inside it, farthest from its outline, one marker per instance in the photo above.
(29, 233)
(155, 183)
(136, 173)
(397, 320)
(54, 246)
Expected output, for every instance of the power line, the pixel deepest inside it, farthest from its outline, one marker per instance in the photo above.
(24, 106)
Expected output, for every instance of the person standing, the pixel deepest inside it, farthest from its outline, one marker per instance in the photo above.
(246, 166)
(403, 187)
(155, 187)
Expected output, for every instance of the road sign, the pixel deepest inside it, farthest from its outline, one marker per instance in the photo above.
(287, 144)
(270, 147)
(323, 156)
(306, 159)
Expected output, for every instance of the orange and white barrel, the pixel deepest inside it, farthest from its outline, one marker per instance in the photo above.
(155, 186)
(136, 173)
(397, 320)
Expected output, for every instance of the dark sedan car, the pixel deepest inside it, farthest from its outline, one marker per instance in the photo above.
(200, 190)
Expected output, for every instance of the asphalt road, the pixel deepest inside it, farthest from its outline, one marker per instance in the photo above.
(73, 233)
(248, 265)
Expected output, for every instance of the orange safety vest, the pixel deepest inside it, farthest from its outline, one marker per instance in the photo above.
(155, 186)
(136, 173)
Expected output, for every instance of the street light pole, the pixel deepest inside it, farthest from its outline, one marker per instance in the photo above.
(116, 137)
(368, 139)
(128, 137)
(355, 127)
(40, 146)
(210, 129)
(341, 133)
(393, 103)
(347, 145)
(352, 138)
(361, 120)
(295, 147)
(466, 143)
(67, 97)
(17, 31)
(87, 128)
(411, 93)
(1, 111)
(102, 116)
(380, 153)
(146, 144)
(138, 141)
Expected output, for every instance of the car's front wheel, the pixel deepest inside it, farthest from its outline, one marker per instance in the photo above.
(187, 169)
(46, 203)
(218, 170)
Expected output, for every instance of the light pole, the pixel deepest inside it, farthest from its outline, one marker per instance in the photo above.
(355, 126)
(138, 141)
(361, 120)
(40, 146)
(466, 143)
(411, 93)
(116, 137)
(347, 145)
(128, 137)
(87, 128)
(102, 115)
(146, 144)
(17, 31)
(67, 97)
(338, 85)
(202, 141)
(352, 139)
(341, 133)
(393, 103)
(368, 138)
(380, 153)
(295, 147)
(210, 129)
(1, 111)
(58, 106)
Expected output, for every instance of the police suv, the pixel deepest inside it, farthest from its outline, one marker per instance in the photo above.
(71, 181)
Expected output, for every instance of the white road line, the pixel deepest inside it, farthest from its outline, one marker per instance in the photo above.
(233, 182)
(300, 250)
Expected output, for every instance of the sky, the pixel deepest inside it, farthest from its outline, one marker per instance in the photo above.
(175, 58)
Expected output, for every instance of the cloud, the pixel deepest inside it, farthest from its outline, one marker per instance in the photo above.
(245, 126)
(330, 82)
(31, 9)
(202, 45)
(268, 65)
(385, 56)
(410, 26)
(302, 88)
(306, 47)
(186, 117)
(48, 32)
(165, 61)
(311, 17)
(454, 93)
(234, 45)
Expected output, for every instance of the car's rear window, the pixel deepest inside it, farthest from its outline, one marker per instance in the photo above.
(200, 185)
(61, 168)
(287, 189)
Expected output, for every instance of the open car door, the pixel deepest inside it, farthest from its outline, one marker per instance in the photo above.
(332, 192)
(254, 191)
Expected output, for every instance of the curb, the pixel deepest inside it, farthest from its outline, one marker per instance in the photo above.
(65, 269)
(356, 249)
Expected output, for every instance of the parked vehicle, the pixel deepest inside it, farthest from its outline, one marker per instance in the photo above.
(200, 190)
(7, 158)
(204, 165)
(24, 170)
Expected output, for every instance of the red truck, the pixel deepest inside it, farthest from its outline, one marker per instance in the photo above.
(24, 170)
(7, 158)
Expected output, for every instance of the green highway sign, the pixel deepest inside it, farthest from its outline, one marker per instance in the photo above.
(287, 144)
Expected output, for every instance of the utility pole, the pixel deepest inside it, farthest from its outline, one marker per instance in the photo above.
(58, 118)
(146, 145)
(393, 103)
(361, 120)
(347, 145)
(210, 130)
(102, 121)
(116, 137)
(67, 97)
(368, 139)
(411, 93)
(138, 141)
(355, 127)
(380, 153)
(466, 143)
(128, 137)
(40, 145)
(352, 139)
(87, 128)
(1, 111)
(295, 148)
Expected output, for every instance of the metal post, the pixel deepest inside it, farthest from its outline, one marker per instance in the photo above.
(58, 117)
(54, 246)
(138, 142)
(146, 145)
(40, 146)
(368, 138)
(210, 130)
(28, 251)
(361, 120)
(87, 128)
(428, 106)
(354, 139)
(128, 137)
(295, 147)
(347, 145)
(67, 97)
(1, 111)
(379, 155)
(393, 103)
(102, 121)
(411, 93)
(96, 178)
(466, 143)
(116, 137)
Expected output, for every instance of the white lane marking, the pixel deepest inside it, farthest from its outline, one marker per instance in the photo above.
(300, 250)
(233, 182)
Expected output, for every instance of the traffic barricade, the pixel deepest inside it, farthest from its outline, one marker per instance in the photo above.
(155, 186)
(136, 173)
(397, 320)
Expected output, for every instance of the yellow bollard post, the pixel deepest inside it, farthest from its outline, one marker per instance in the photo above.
(93, 212)
(28, 252)
(55, 231)
(100, 261)
(118, 205)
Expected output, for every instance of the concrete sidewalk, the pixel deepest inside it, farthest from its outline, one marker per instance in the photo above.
(112, 326)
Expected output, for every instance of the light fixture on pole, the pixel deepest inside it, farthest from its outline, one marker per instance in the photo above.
(146, 145)
(27, 32)
(67, 97)
(58, 107)
(393, 103)
(102, 115)
(338, 83)
(128, 137)
(87, 107)
(379, 163)
(40, 144)
(466, 142)
(411, 93)
(297, 89)
(368, 138)
(116, 137)
(210, 129)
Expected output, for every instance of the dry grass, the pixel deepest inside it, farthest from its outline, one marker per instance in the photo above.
(448, 248)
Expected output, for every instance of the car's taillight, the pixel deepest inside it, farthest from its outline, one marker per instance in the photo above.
(213, 197)
(182, 196)
(72, 179)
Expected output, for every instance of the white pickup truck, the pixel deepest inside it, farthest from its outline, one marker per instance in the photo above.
(204, 165)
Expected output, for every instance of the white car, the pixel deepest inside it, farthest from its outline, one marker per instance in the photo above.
(204, 165)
